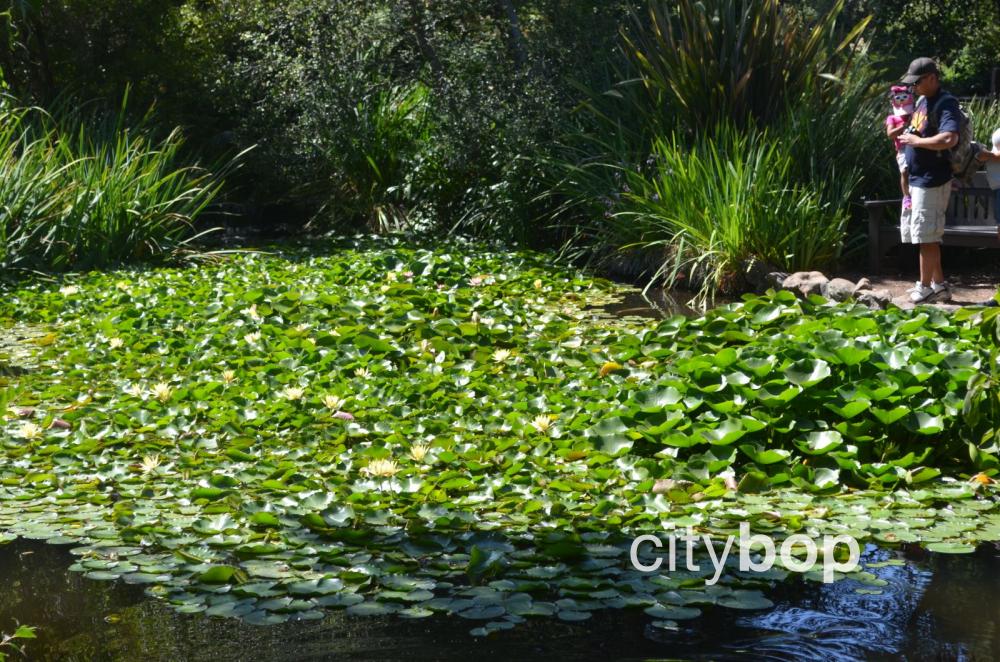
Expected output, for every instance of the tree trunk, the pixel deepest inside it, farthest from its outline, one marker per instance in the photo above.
(515, 36)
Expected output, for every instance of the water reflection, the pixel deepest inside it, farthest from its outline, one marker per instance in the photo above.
(933, 607)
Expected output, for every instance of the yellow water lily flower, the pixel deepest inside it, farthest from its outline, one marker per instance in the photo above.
(30, 431)
(501, 355)
(162, 391)
(122, 285)
(334, 402)
(419, 451)
(115, 343)
(293, 393)
(363, 373)
(543, 422)
(228, 376)
(252, 313)
(382, 468)
(150, 463)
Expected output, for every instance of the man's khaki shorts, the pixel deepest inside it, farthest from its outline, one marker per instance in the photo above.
(924, 222)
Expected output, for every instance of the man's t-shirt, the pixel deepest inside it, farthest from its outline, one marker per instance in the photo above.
(930, 168)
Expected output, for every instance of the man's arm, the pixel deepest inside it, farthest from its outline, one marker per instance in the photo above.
(937, 143)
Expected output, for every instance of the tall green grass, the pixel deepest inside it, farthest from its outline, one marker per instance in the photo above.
(730, 197)
(81, 189)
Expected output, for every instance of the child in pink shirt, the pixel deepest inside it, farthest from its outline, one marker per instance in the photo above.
(895, 125)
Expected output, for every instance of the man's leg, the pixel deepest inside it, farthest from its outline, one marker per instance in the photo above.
(930, 264)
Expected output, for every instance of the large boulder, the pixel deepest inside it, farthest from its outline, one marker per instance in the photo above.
(838, 289)
(805, 283)
(874, 299)
(863, 284)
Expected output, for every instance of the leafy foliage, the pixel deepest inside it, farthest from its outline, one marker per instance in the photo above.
(80, 189)
(10, 640)
(401, 430)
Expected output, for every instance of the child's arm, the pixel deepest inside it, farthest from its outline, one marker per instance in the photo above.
(894, 131)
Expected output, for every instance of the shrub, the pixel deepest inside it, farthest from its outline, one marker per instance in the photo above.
(80, 189)
(731, 197)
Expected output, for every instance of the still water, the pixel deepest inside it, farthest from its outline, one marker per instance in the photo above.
(934, 607)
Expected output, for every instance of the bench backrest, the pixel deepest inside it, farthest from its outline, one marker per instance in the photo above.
(971, 205)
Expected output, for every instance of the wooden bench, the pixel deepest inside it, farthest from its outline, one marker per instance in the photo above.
(969, 221)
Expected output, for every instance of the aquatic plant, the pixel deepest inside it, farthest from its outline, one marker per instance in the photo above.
(503, 445)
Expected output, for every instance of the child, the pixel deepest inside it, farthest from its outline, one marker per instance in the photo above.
(895, 124)
(993, 176)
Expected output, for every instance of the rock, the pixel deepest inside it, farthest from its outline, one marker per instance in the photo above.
(863, 284)
(775, 279)
(757, 274)
(874, 299)
(838, 289)
(805, 282)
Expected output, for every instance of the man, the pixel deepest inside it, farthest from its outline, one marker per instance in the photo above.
(933, 130)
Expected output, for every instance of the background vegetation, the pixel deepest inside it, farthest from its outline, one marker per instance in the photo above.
(543, 121)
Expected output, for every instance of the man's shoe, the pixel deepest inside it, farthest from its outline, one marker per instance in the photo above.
(941, 292)
(920, 292)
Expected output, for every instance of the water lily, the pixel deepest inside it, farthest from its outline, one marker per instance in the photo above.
(543, 422)
(363, 373)
(150, 463)
(122, 285)
(293, 393)
(134, 390)
(252, 338)
(501, 355)
(419, 451)
(344, 416)
(162, 391)
(538, 283)
(303, 327)
(252, 313)
(30, 431)
(69, 290)
(115, 343)
(228, 376)
(333, 402)
(382, 468)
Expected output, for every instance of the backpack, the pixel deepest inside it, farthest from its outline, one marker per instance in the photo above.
(963, 155)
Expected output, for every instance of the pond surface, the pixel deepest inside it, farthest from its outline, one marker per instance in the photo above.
(933, 607)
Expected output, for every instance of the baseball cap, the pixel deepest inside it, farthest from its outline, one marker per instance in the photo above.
(918, 68)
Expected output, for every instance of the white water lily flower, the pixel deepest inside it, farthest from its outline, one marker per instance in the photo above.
(304, 326)
(30, 431)
(252, 338)
(382, 468)
(293, 393)
(363, 373)
(162, 391)
(69, 290)
(115, 343)
(134, 390)
(419, 451)
(501, 355)
(334, 402)
(228, 376)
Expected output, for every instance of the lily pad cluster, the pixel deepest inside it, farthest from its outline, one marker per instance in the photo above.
(395, 429)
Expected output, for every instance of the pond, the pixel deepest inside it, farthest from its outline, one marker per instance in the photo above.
(460, 443)
(933, 607)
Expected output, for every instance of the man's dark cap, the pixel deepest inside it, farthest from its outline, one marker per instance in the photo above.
(919, 68)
